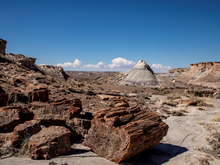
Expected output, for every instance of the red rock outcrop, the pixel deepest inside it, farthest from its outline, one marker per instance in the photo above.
(3, 44)
(120, 133)
(50, 142)
(10, 116)
(24, 131)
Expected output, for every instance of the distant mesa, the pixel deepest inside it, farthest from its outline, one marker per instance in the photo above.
(201, 72)
(141, 75)
(2, 46)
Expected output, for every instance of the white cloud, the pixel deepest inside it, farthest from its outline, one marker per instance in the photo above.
(76, 64)
(117, 64)
(100, 65)
(121, 64)
(159, 68)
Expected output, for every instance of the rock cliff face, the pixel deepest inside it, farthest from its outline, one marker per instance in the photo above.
(202, 72)
(2, 46)
(54, 71)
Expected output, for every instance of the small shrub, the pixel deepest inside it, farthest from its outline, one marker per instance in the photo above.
(217, 97)
(217, 119)
(201, 109)
(135, 91)
(174, 97)
(170, 103)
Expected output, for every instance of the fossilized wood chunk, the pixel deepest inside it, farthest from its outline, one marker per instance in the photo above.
(120, 133)
(10, 116)
(24, 131)
(50, 142)
(41, 94)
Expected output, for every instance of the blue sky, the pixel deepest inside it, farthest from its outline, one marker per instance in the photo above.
(112, 34)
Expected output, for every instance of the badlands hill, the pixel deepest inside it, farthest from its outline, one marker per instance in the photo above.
(202, 72)
(141, 75)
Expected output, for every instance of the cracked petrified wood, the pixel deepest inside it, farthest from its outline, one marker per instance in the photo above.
(120, 133)
(50, 142)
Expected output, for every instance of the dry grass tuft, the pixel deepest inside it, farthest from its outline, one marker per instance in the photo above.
(217, 119)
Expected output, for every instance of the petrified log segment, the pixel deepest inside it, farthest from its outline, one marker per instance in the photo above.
(16, 96)
(81, 126)
(11, 116)
(49, 142)
(57, 112)
(3, 97)
(24, 131)
(120, 133)
(39, 95)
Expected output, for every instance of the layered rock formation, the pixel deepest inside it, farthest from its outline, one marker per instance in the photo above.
(54, 71)
(141, 75)
(202, 72)
(2, 46)
(176, 72)
(120, 133)
(22, 60)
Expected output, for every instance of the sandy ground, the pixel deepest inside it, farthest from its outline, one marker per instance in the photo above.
(180, 147)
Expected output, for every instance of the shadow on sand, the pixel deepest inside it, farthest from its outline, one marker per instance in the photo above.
(156, 156)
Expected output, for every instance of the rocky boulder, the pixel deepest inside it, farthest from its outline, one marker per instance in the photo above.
(50, 142)
(24, 131)
(120, 133)
(10, 116)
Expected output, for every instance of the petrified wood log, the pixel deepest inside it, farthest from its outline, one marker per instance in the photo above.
(10, 116)
(120, 133)
(50, 142)
(24, 131)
